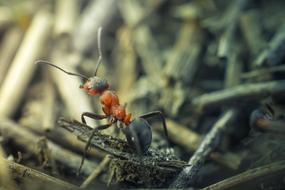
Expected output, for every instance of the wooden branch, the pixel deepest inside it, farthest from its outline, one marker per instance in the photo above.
(241, 92)
(251, 179)
(189, 174)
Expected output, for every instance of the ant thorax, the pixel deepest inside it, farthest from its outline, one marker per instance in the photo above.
(109, 98)
(111, 106)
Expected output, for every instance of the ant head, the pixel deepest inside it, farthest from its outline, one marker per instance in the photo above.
(139, 135)
(95, 85)
(92, 85)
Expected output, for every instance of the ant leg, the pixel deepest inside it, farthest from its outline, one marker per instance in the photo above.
(92, 115)
(159, 113)
(98, 128)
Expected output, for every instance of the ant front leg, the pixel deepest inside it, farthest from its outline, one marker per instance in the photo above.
(161, 116)
(92, 116)
(98, 128)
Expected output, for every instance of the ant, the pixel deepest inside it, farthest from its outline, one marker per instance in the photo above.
(137, 130)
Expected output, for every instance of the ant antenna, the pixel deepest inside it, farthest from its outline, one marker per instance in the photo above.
(99, 50)
(69, 73)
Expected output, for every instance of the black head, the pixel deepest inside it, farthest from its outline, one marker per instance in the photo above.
(139, 135)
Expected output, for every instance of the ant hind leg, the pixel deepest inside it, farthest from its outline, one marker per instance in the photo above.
(161, 116)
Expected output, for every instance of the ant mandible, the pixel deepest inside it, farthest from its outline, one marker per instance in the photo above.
(137, 131)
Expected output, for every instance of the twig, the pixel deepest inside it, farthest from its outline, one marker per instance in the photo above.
(31, 175)
(274, 54)
(96, 172)
(25, 138)
(189, 174)
(251, 179)
(22, 68)
(242, 92)
(260, 72)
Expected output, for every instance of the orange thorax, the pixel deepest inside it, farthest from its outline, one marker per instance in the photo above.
(112, 107)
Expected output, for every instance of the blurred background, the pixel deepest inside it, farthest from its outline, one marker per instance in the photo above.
(157, 55)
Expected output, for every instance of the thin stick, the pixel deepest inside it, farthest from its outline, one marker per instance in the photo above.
(96, 172)
(189, 174)
(264, 174)
(260, 72)
(31, 175)
(239, 92)
(274, 53)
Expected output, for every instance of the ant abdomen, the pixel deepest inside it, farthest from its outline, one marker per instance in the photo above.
(139, 135)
